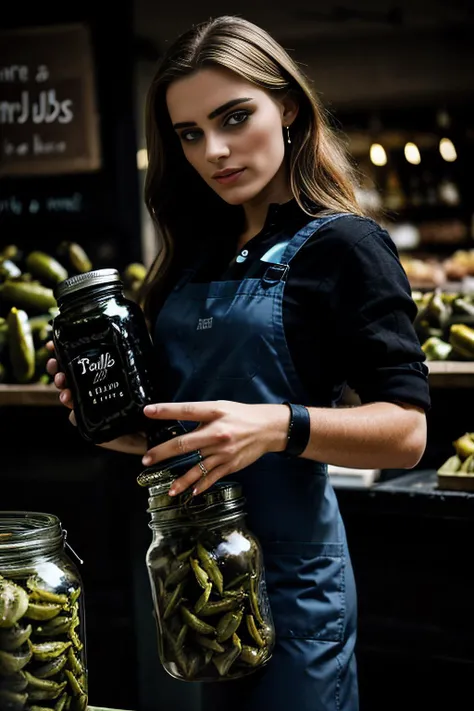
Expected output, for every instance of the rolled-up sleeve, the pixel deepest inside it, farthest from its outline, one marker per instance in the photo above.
(383, 357)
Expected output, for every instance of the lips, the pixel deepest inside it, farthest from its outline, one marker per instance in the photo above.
(224, 173)
(228, 176)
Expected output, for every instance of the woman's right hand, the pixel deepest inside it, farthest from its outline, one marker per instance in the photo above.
(129, 444)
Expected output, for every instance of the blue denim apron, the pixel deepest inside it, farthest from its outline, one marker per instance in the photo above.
(226, 340)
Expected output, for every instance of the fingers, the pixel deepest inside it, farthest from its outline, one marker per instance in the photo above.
(66, 399)
(191, 411)
(202, 470)
(60, 381)
(65, 396)
(183, 444)
(52, 366)
(207, 481)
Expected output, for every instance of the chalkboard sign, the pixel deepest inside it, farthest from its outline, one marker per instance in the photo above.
(48, 115)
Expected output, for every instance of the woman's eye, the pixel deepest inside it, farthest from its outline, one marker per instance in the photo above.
(189, 136)
(236, 118)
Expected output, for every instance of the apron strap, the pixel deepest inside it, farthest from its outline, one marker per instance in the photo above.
(286, 251)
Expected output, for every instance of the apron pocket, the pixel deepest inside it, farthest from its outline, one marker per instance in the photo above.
(306, 587)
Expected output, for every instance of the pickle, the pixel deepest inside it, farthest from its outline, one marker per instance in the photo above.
(76, 688)
(42, 610)
(436, 349)
(51, 668)
(61, 703)
(461, 306)
(252, 655)
(195, 623)
(13, 662)
(47, 651)
(468, 465)
(14, 637)
(43, 684)
(8, 269)
(75, 257)
(13, 603)
(464, 446)
(45, 267)
(12, 700)
(461, 337)
(451, 465)
(28, 295)
(21, 347)
(54, 627)
(14, 682)
(224, 661)
(133, 273)
(228, 625)
(12, 252)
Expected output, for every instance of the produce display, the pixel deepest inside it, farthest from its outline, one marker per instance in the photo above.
(435, 272)
(457, 472)
(41, 652)
(28, 305)
(445, 324)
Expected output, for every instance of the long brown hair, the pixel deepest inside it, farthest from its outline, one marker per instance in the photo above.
(185, 211)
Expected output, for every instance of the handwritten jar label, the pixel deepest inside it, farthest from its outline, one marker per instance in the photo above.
(100, 378)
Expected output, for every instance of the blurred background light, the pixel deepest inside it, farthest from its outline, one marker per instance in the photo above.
(412, 154)
(377, 154)
(447, 150)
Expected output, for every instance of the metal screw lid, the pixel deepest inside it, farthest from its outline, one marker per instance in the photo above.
(98, 277)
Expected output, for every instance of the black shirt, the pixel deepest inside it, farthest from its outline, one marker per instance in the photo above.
(347, 307)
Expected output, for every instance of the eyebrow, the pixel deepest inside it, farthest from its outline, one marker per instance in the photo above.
(217, 112)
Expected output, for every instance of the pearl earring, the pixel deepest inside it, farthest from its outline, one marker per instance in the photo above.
(288, 137)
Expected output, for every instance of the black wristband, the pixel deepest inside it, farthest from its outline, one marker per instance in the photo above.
(298, 430)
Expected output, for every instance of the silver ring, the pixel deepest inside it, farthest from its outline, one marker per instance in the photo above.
(203, 469)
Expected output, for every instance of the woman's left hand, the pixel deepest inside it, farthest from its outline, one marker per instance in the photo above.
(230, 437)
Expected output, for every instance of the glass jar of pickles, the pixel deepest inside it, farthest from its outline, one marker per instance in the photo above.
(42, 632)
(208, 583)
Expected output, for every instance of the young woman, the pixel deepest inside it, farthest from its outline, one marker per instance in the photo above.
(272, 292)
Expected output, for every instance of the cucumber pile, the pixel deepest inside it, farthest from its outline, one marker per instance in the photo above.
(28, 305)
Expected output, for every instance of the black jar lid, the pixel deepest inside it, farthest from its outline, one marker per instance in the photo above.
(97, 277)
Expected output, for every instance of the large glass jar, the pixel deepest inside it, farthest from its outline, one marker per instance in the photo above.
(208, 583)
(42, 626)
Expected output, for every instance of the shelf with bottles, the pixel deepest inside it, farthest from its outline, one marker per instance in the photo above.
(413, 165)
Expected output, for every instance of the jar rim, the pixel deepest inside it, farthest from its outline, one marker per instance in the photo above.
(224, 500)
(28, 530)
(219, 493)
(79, 282)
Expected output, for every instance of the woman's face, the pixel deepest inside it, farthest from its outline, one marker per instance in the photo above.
(231, 132)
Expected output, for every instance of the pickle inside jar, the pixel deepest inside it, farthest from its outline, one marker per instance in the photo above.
(204, 616)
(42, 664)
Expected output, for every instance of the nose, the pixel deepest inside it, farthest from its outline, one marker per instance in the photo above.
(216, 148)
